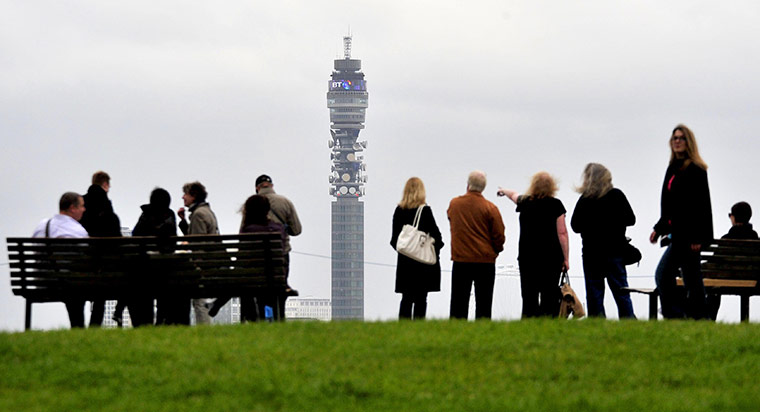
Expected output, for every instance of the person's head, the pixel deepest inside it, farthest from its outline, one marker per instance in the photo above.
(194, 192)
(262, 182)
(102, 179)
(476, 181)
(740, 213)
(160, 198)
(683, 145)
(597, 181)
(414, 194)
(542, 185)
(71, 204)
(255, 210)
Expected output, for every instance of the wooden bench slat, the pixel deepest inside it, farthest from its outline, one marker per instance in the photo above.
(723, 283)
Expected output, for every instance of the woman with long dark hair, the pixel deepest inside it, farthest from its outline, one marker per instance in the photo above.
(601, 217)
(685, 225)
(543, 247)
(414, 280)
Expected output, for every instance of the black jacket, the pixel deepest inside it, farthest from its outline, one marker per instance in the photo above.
(413, 276)
(744, 231)
(99, 219)
(685, 209)
(155, 222)
(602, 222)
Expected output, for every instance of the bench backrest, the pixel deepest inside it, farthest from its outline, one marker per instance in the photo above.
(731, 259)
(113, 268)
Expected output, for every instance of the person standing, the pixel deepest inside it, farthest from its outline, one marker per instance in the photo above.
(256, 219)
(414, 280)
(477, 237)
(157, 219)
(544, 245)
(685, 224)
(100, 220)
(66, 224)
(283, 212)
(202, 222)
(601, 217)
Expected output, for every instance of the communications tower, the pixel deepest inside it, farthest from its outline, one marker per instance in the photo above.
(347, 99)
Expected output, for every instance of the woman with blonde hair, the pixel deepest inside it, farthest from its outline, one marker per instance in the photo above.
(685, 225)
(543, 247)
(414, 280)
(601, 217)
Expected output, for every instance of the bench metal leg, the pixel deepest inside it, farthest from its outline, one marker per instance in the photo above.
(744, 308)
(28, 315)
(653, 306)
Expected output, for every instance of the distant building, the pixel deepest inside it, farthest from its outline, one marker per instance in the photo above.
(108, 321)
(308, 309)
(229, 313)
(347, 99)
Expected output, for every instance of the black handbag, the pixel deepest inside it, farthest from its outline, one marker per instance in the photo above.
(631, 254)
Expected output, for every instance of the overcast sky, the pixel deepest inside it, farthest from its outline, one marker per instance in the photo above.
(159, 93)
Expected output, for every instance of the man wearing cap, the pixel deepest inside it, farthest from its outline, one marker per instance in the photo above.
(283, 212)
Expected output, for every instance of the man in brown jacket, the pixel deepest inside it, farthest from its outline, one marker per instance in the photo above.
(477, 237)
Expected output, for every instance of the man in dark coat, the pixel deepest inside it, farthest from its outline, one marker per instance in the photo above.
(100, 221)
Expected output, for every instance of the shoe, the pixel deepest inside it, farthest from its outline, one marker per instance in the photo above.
(117, 319)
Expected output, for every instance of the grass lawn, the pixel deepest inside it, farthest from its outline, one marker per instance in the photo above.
(543, 365)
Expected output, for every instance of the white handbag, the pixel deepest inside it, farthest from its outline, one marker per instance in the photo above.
(415, 243)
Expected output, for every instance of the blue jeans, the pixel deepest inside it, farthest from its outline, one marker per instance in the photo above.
(680, 259)
(595, 271)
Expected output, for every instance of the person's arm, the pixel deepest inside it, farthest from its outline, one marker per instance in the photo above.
(703, 224)
(183, 226)
(429, 219)
(662, 227)
(396, 227)
(510, 194)
(628, 217)
(498, 236)
(578, 220)
(564, 241)
(294, 224)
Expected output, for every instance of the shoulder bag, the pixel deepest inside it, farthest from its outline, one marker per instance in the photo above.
(570, 303)
(415, 243)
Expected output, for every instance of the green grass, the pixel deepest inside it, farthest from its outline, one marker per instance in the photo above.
(345, 366)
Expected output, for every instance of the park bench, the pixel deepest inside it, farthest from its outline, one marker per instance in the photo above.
(207, 266)
(729, 267)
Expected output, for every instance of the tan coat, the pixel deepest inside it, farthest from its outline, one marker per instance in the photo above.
(202, 221)
(477, 230)
(283, 212)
